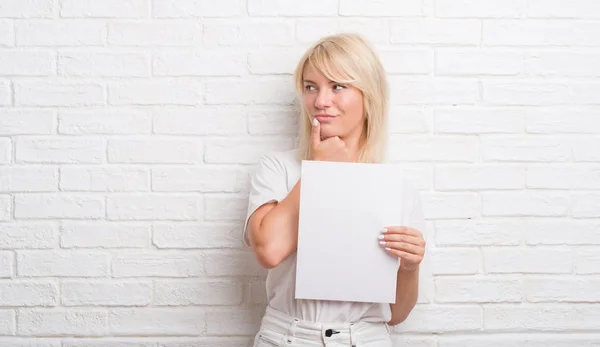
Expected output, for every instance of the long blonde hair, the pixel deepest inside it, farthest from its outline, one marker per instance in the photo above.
(349, 58)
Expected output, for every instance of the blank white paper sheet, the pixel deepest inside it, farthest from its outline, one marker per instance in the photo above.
(343, 207)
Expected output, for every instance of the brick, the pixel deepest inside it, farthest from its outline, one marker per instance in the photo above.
(310, 8)
(477, 61)
(104, 179)
(64, 32)
(158, 264)
(470, 177)
(525, 149)
(219, 62)
(585, 205)
(561, 290)
(152, 207)
(155, 150)
(21, 178)
(104, 235)
(525, 340)
(204, 120)
(272, 90)
(582, 33)
(257, 293)
(28, 235)
(410, 8)
(407, 61)
(6, 268)
(149, 321)
(246, 321)
(310, 30)
(242, 151)
(58, 150)
(28, 293)
(102, 64)
(8, 322)
(187, 292)
(155, 92)
(527, 260)
(248, 33)
(113, 342)
(27, 8)
(579, 9)
(450, 205)
(272, 120)
(426, 319)
(563, 177)
(563, 120)
(562, 232)
(230, 341)
(62, 263)
(525, 33)
(105, 9)
(540, 318)
(26, 62)
(155, 33)
(581, 149)
(436, 31)
(477, 290)
(232, 263)
(587, 261)
(6, 93)
(198, 8)
(412, 148)
(205, 235)
(455, 261)
(58, 93)
(554, 63)
(410, 120)
(414, 341)
(199, 179)
(105, 293)
(490, 232)
(107, 121)
(51, 322)
(433, 90)
(7, 33)
(479, 9)
(51, 206)
(26, 122)
(273, 61)
(585, 93)
(526, 93)
(6, 211)
(225, 207)
(25, 342)
(517, 204)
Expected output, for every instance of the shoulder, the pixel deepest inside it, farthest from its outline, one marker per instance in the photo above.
(281, 160)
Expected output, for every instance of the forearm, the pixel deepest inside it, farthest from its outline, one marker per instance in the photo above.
(407, 291)
(277, 236)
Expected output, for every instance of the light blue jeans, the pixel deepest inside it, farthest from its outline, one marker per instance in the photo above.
(280, 329)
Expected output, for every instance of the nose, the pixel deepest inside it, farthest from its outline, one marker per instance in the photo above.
(323, 99)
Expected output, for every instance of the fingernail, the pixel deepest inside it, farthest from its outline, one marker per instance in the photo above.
(384, 230)
(388, 249)
(315, 122)
(382, 243)
(381, 237)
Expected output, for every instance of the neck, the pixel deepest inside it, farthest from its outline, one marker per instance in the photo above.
(354, 144)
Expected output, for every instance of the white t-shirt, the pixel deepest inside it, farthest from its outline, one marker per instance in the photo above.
(276, 175)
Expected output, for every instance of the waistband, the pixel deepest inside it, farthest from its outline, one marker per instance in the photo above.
(293, 327)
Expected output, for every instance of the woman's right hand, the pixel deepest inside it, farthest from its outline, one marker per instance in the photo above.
(330, 149)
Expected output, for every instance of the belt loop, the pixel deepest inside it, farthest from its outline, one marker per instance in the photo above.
(353, 340)
(291, 334)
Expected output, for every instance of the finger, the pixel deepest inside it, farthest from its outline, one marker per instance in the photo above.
(404, 247)
(414, 259)
(402, 230)
(315, 134)
(414, 240)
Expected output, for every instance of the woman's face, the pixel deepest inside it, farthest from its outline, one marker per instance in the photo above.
(337, 106)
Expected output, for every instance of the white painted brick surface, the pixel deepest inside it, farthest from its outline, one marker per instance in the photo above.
(129, 130)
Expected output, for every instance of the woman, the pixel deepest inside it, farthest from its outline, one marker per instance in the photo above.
(344, 95)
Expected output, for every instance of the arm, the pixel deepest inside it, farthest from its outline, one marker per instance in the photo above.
(407, 289)
(273, 229)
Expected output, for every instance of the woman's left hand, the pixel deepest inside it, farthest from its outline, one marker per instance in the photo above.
(405, 243)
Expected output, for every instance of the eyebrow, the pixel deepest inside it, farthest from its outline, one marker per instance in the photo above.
(309, 81)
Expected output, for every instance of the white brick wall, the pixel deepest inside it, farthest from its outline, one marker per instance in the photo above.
(129, 128)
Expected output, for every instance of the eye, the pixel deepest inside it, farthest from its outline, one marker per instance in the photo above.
(308, 87)
(339, 87)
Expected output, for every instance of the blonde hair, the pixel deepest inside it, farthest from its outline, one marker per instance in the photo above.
(349, 58)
